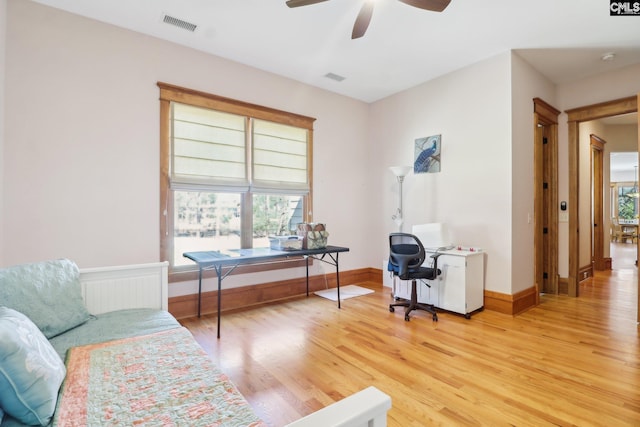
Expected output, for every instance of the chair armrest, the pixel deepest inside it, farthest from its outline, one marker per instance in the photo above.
(435, 257)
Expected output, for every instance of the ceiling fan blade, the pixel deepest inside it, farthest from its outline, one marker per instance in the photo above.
(432, 5)
(363, 19)
(298, 3)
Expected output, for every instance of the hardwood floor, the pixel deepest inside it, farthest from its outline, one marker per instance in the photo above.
(566, 362)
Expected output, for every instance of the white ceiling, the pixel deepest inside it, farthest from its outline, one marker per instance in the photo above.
(403, 47)
(622, 119)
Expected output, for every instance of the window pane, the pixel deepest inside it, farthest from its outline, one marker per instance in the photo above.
(626, 204)
(205, 221)
(275, 215)
(231, 177)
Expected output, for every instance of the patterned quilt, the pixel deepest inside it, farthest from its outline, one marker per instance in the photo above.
(161, 379)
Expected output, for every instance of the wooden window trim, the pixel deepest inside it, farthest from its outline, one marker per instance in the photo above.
(171, 93)
(201, 99)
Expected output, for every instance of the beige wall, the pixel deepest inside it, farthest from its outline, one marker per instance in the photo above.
(80, 166)
(470, 108)
(526, 84)
(621, 137)
(3, 28)
(585, 239)
(81, 149)
(484, 113)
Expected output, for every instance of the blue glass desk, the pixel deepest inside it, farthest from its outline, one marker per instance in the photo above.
(217, 260)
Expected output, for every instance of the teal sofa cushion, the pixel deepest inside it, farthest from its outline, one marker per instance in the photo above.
(31, 371)
(46, 292)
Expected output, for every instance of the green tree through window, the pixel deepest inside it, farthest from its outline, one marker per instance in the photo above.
(627, 205)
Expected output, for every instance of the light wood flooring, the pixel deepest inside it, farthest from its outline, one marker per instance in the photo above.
(567, 362)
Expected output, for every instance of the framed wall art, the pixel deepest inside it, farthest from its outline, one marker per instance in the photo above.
(427, 154)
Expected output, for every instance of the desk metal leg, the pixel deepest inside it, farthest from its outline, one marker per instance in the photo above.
(307, 259)
(338, 279)
(334, 263)
(219, 273)
(199, 288)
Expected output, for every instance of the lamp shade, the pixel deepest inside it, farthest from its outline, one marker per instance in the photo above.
(400, 170)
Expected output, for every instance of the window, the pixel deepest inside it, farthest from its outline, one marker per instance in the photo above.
(627, 203)
(232, 174)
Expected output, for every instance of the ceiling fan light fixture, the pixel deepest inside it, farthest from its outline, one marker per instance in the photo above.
(432, 5)
(364, 17)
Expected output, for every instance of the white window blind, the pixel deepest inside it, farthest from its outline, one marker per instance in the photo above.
(208, 149)
(279, 158)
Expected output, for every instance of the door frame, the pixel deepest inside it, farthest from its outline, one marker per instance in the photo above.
(597, 202)
(545, 214)
(574, 117)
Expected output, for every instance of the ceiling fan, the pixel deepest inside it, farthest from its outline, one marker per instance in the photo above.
(364, 17)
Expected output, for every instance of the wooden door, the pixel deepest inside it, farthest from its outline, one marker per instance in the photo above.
(597, 202)
(545, 197)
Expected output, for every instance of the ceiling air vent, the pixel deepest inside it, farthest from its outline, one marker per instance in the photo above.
(335, 77)
(179, 23)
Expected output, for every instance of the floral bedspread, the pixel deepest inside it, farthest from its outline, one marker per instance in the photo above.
(161, 379)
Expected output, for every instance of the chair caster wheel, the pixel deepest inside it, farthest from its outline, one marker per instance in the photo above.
(406, 317)
(391, 309)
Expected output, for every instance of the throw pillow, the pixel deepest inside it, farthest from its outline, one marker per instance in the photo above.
(46, 292)
(31, 371)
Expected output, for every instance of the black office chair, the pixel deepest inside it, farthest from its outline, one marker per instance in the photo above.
(406, 256)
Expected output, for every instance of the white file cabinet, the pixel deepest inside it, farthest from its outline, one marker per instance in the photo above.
(426, 294)
(460, 287)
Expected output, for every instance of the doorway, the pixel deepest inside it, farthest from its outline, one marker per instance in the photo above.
(597, 203)
(623, 196)
(575, 117)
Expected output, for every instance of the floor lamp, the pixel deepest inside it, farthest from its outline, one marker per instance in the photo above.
(400, 172)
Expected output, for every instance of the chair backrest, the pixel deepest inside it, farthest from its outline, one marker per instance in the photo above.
(617, 228)
(406, 252)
